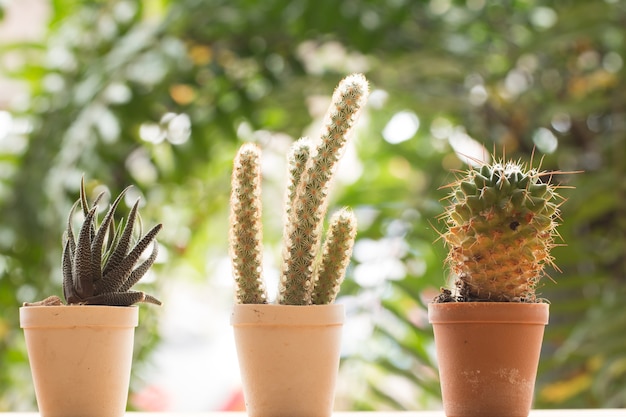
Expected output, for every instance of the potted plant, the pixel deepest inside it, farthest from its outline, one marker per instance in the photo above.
(80, 353)
(288, 350)
(501, 224)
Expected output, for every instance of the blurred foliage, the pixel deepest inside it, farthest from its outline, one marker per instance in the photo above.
(161, 93)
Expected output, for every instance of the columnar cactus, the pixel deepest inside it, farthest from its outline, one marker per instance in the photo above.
(502, 221)
(246, 232)
(304, 224)
(310, 170)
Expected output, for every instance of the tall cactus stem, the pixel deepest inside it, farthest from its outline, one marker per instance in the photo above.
(246, 232)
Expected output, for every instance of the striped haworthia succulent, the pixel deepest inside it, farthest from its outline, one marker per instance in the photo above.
(101, 263)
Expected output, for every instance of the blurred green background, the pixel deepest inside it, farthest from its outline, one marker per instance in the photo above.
(160, 94)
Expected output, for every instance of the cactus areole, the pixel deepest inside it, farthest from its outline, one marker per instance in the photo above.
(501, 222)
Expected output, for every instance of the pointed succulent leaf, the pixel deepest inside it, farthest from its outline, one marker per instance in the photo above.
(85, 205)
(81, 267)
(68, 282)
(112, 242)
(116, 277)
(118, 298)
(152, 300)
(139, 224)
(141, 270)
(69, 232)
(98, 241)
(123, 244)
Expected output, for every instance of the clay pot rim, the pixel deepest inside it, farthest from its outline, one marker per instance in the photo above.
(287, 315)
(69, 316)
(488, 312)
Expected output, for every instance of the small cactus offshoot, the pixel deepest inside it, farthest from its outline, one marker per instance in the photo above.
(307, 277)
(102, 263)
(335, 257)
(502, 221)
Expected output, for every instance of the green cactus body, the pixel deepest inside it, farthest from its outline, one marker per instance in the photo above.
(335, 257)
(246, 231)
(501, 228)
(305, 221)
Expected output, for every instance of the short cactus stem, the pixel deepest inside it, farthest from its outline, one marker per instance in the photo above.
(502, 223)
(305, 222)
(335, 257)
(246, 231)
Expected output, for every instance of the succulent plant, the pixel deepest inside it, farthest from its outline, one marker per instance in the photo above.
(307, 276)
(101, 264)
(501, 221)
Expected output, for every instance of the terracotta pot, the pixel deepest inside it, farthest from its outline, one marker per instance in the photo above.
(80, 358)
(288, 358)
(488, 355)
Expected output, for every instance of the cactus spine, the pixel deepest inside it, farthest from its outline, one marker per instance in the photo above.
(502, 222)
(310, 170)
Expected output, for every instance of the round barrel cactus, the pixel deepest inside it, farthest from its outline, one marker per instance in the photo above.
(502, 220)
